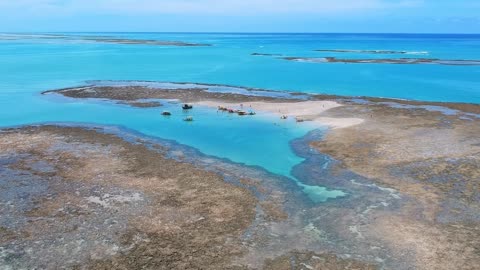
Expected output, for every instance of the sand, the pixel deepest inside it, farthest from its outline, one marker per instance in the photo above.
(310, 111)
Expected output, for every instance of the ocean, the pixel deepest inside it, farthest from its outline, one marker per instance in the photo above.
(32, 63)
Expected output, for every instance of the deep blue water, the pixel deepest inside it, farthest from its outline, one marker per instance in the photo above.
(29, 65)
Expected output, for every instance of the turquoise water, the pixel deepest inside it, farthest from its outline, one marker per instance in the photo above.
(31, 65)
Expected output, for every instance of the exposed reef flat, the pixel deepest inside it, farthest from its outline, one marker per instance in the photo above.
(101, 39)
(143, 104)
(432, 156)
(293, 105)
(130, 92)
(87, 198)
(411, 169)
(73, 197)
(398, 61)
(265, 54)
(142, 42)
(369, 51)
(283, 103)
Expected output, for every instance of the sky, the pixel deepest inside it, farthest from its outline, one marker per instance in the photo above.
(352, 16)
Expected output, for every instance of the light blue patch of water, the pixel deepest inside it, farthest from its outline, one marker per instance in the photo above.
(252, 140)
(229, 61)
(29, 66)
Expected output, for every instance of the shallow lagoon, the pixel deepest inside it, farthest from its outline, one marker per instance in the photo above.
(261, 140)
(29, 66)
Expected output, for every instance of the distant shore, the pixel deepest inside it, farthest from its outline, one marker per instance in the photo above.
(102, 39)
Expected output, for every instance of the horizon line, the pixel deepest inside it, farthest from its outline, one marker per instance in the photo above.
(237, 32)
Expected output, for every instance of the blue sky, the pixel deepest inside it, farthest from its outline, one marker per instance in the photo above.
(386, 16)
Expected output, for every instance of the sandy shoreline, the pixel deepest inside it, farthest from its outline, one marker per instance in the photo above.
(310, 111)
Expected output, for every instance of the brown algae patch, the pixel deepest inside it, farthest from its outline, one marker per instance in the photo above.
(433, 245)
(113, 204)
(138, 94)
(143, 104)
(309, 260)
(86, 199)
(430, 157)
(141, 92)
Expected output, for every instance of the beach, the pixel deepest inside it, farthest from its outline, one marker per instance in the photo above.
(304, 111)
(136, 96)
